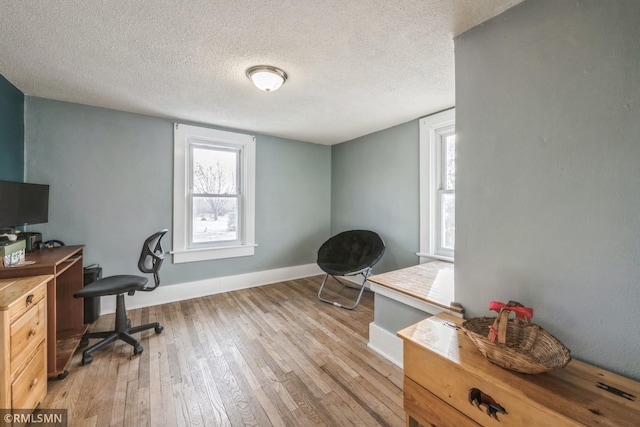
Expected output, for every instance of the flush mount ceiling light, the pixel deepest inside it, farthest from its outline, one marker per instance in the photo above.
(266, 77)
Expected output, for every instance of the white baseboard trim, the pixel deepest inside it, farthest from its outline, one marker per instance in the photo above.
(216, 285)
(385, 343)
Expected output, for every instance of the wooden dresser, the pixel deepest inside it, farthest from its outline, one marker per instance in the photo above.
(23, 329)
(449, 383)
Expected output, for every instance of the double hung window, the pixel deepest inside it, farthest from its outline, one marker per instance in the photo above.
(437, 185)
(214, 186)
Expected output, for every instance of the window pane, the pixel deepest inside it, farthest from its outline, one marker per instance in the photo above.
(215, 171)
(448, 216)
(450, 162)
(215, 219)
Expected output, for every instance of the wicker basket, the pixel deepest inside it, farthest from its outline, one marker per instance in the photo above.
(521, 346)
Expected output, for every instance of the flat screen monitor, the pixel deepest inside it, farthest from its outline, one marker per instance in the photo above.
(22, 203)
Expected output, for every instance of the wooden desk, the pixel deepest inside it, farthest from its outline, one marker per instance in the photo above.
(444, 373)
(422, 282)
(65, 321)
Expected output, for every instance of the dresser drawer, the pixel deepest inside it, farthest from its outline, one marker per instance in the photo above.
(20, 306)
(428, 410)
(26, 333)
(30, 387)
(496, 406)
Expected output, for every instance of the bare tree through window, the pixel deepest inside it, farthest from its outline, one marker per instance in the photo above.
(214, 179)
(215, 194)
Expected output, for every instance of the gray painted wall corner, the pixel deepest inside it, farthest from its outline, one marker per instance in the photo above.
(375, 185)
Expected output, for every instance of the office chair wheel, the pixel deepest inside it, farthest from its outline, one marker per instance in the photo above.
(159, 329)
(138, 349)
(83, 342)
(86, 360)
(63, 375)
(128, 323)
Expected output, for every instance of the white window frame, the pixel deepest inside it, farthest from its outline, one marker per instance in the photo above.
(432, 130)
(184, 137)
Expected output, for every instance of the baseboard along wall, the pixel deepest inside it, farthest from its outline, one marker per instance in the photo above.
(216, 285)
(385, 343)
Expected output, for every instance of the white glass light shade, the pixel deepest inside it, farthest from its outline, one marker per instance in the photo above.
(267, 78)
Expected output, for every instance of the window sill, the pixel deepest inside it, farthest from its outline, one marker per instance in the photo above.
(428, 287)
(194, 255)
(432, 256)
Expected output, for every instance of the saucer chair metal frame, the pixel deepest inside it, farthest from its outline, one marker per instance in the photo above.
(350, 253)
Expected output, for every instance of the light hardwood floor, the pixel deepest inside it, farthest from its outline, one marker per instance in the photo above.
(271, 355)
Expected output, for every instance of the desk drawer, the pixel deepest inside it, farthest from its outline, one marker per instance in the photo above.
(27, 333)
(31, 385)
(19, 307)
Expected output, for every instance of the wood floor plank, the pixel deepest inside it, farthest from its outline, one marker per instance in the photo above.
(361, 395)
(272, 412)
(119, 397)
(233, 399)
(219, 415)
(301, 362)
(157, 359)
(189, 406)
(272, 355)
(131, 404)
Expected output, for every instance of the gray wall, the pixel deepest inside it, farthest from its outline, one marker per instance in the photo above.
(374, 185)
(11, 132)
(548, 184)
(111, 185)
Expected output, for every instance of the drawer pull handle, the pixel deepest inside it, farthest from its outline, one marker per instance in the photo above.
(32, 332)
(478, 398)
(29, 300)
(33, 383)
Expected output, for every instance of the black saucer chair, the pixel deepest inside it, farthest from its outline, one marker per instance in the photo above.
(150, 261)
(349, 253)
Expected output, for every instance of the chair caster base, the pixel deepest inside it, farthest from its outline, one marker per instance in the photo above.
(138, 350)
(62, 375)
(86, 360)
(83, 342)
(159, 329)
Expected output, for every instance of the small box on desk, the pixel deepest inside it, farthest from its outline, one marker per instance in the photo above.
(12, 253)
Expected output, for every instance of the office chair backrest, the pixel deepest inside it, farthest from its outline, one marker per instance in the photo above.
(152, 256)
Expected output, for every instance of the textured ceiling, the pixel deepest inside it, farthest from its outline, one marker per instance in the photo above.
(354, 67)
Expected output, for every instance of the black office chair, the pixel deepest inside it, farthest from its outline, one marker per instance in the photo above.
(150, 261)
(349, 253)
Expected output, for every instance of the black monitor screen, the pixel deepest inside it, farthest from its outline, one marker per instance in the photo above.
(22, 203)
